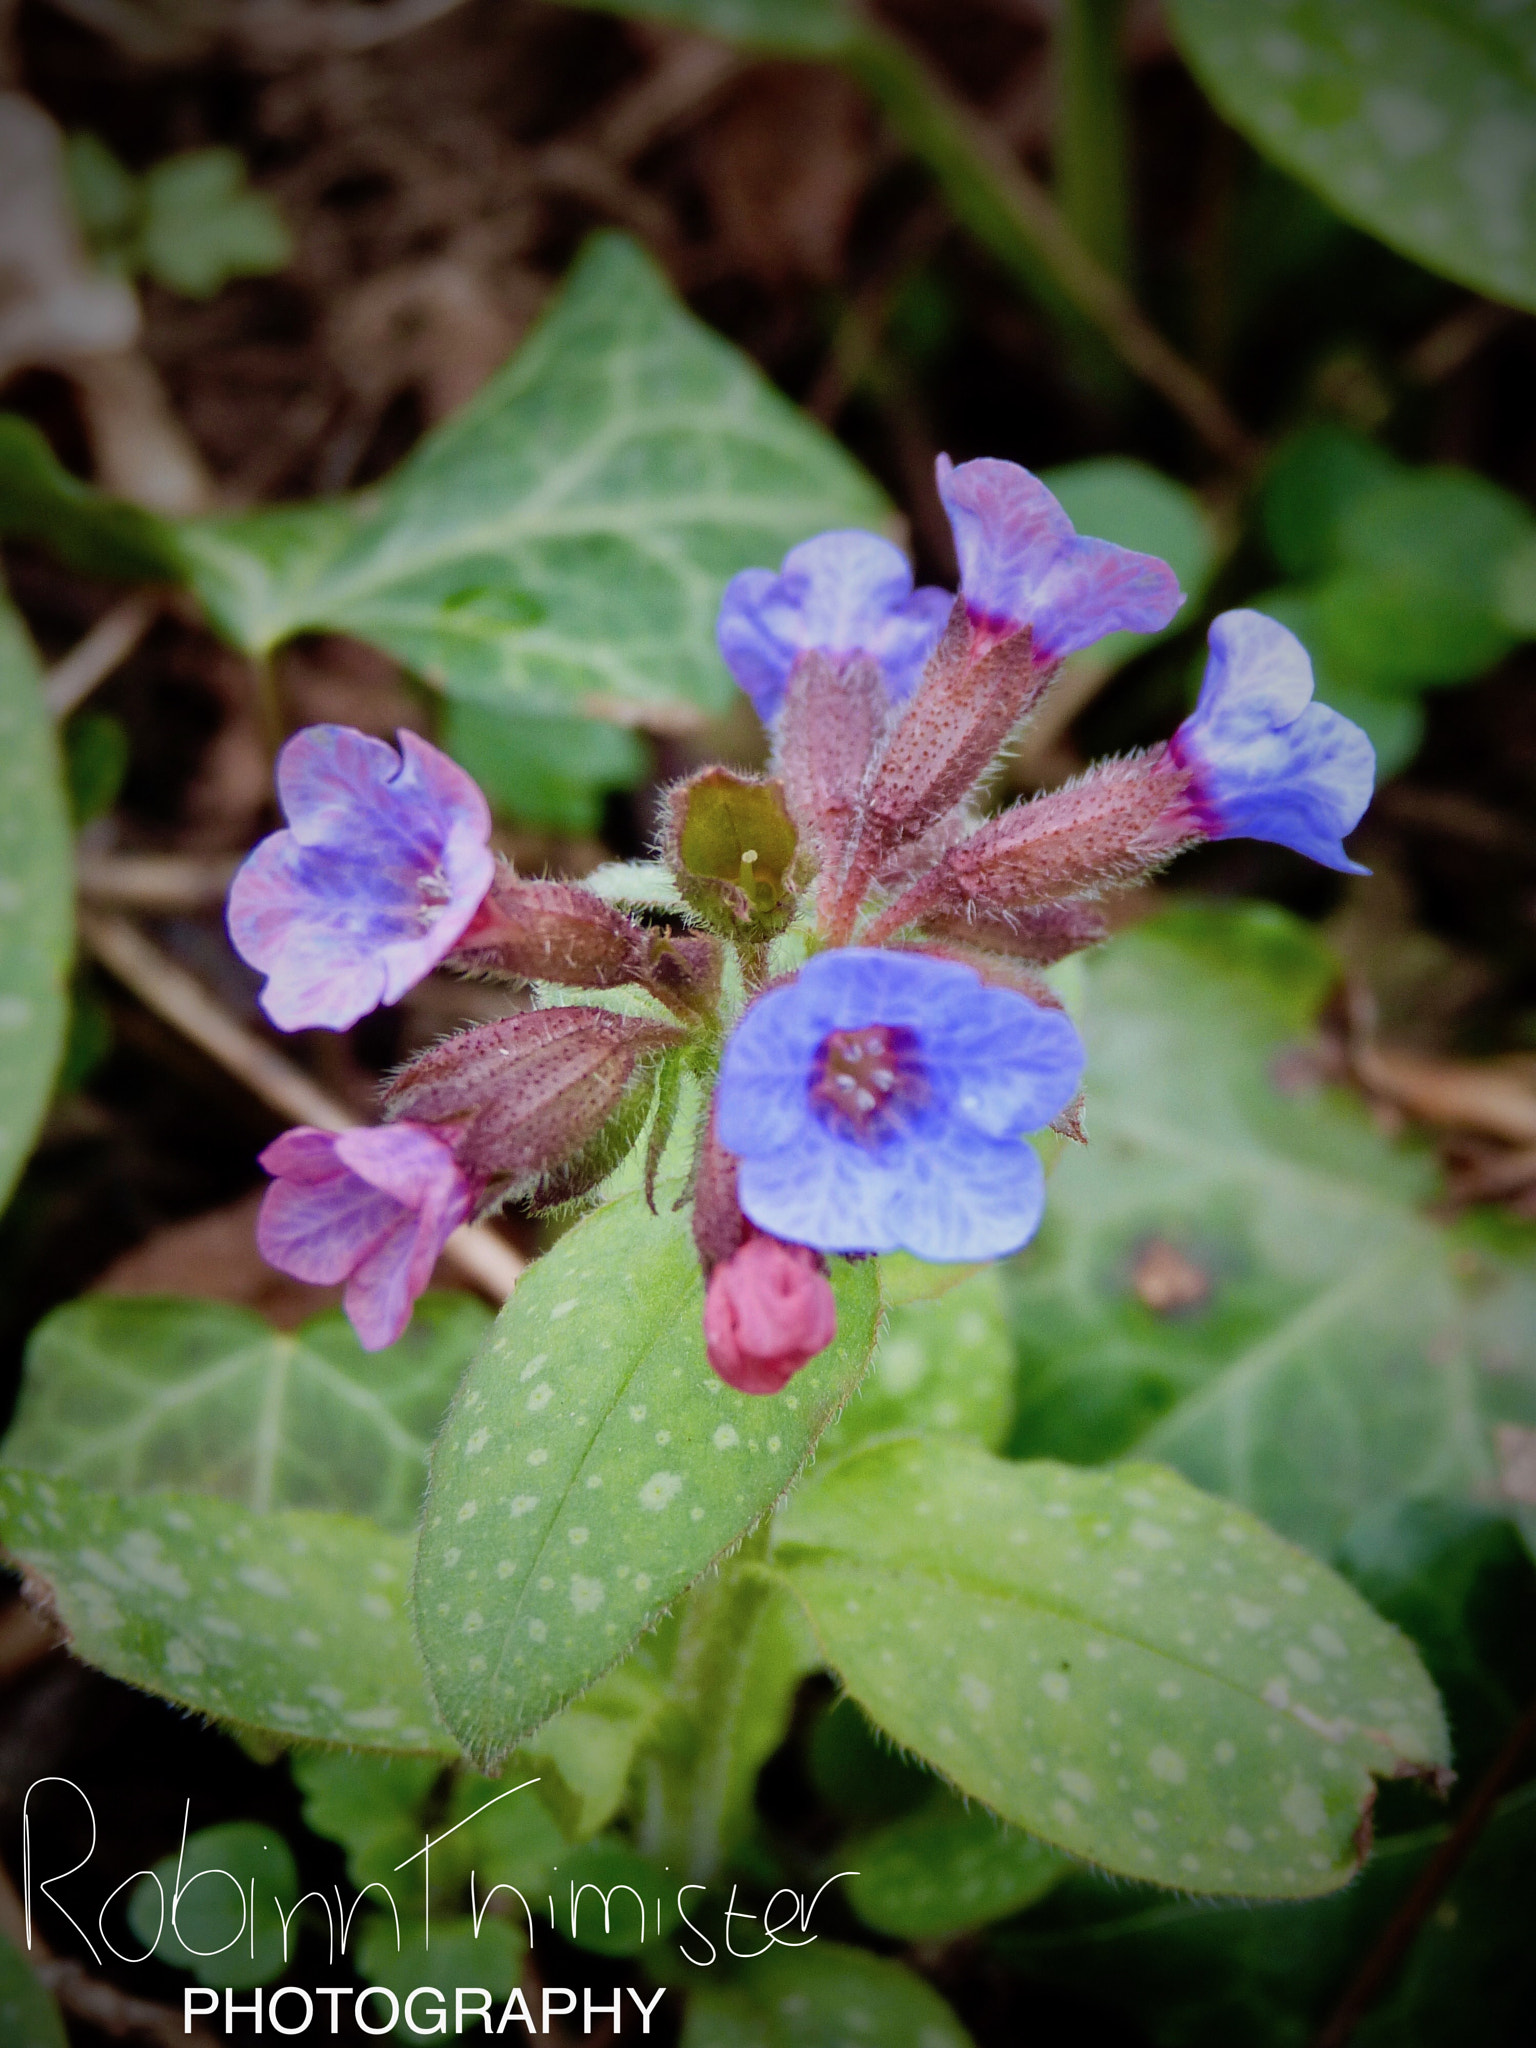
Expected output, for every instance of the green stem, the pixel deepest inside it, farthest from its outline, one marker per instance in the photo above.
(1091, 175)
(691, 1790)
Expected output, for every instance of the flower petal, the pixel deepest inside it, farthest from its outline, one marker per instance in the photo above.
(1023, 564)
(384, 863)
(320, 1230)
(1267, 762)
(843, 594)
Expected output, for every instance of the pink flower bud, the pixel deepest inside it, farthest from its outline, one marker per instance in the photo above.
(768, 1311)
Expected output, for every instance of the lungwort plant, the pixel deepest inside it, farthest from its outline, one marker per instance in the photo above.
(820, 1021)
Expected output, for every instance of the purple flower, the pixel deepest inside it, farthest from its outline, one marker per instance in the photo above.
(1265, 761)
(373, 1207)
(384, 863)
(1022, 563)
(879, 1101)
(841, 594)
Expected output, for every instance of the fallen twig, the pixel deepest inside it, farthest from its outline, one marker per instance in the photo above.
(477, 1253)
(93, 658)
(159, 882)
(1385, 1959)
(89, 1998)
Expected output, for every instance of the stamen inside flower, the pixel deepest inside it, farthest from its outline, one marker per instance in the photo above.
(432, 892)
(866, 1078)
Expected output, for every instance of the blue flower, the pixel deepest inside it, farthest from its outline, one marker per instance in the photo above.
(841, 594)
(1265, 761)
(1022, 563)
(880, 1100)
(383, 867)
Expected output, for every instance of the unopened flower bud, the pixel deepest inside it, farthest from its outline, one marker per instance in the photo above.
(527, 1095)
(768, 1311)
(553, 931)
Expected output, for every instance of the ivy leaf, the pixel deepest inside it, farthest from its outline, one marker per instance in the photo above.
(1137, 1673)
(821, 1997)
(1235, 1277)
(36, 900)
(215, 1873)
(203, 225)
(1414, 121)
(100, 536)
(592, 1467)
(292, 1624)
(944, 1365)
(560, 544)
(946, 1869)
(123, 1394)
(28, 2016)
(551, 773)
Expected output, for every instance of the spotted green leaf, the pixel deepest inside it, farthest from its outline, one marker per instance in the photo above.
(125, 1394)
(826, 1996)
(944, 1364)
(1135, 1672)
(290, 1623)
(36, 900)
(946, 1869)
(592, 1466)
(1418, 121)
(28, 2016)
(1236, 1276)
(560, 544)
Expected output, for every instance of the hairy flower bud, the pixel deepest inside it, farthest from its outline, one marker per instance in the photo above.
(1038, 936)
(526, 1096)
(1111, 826)
(553, 931)
(768, 1311)
(827, 730)
(560, 932)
